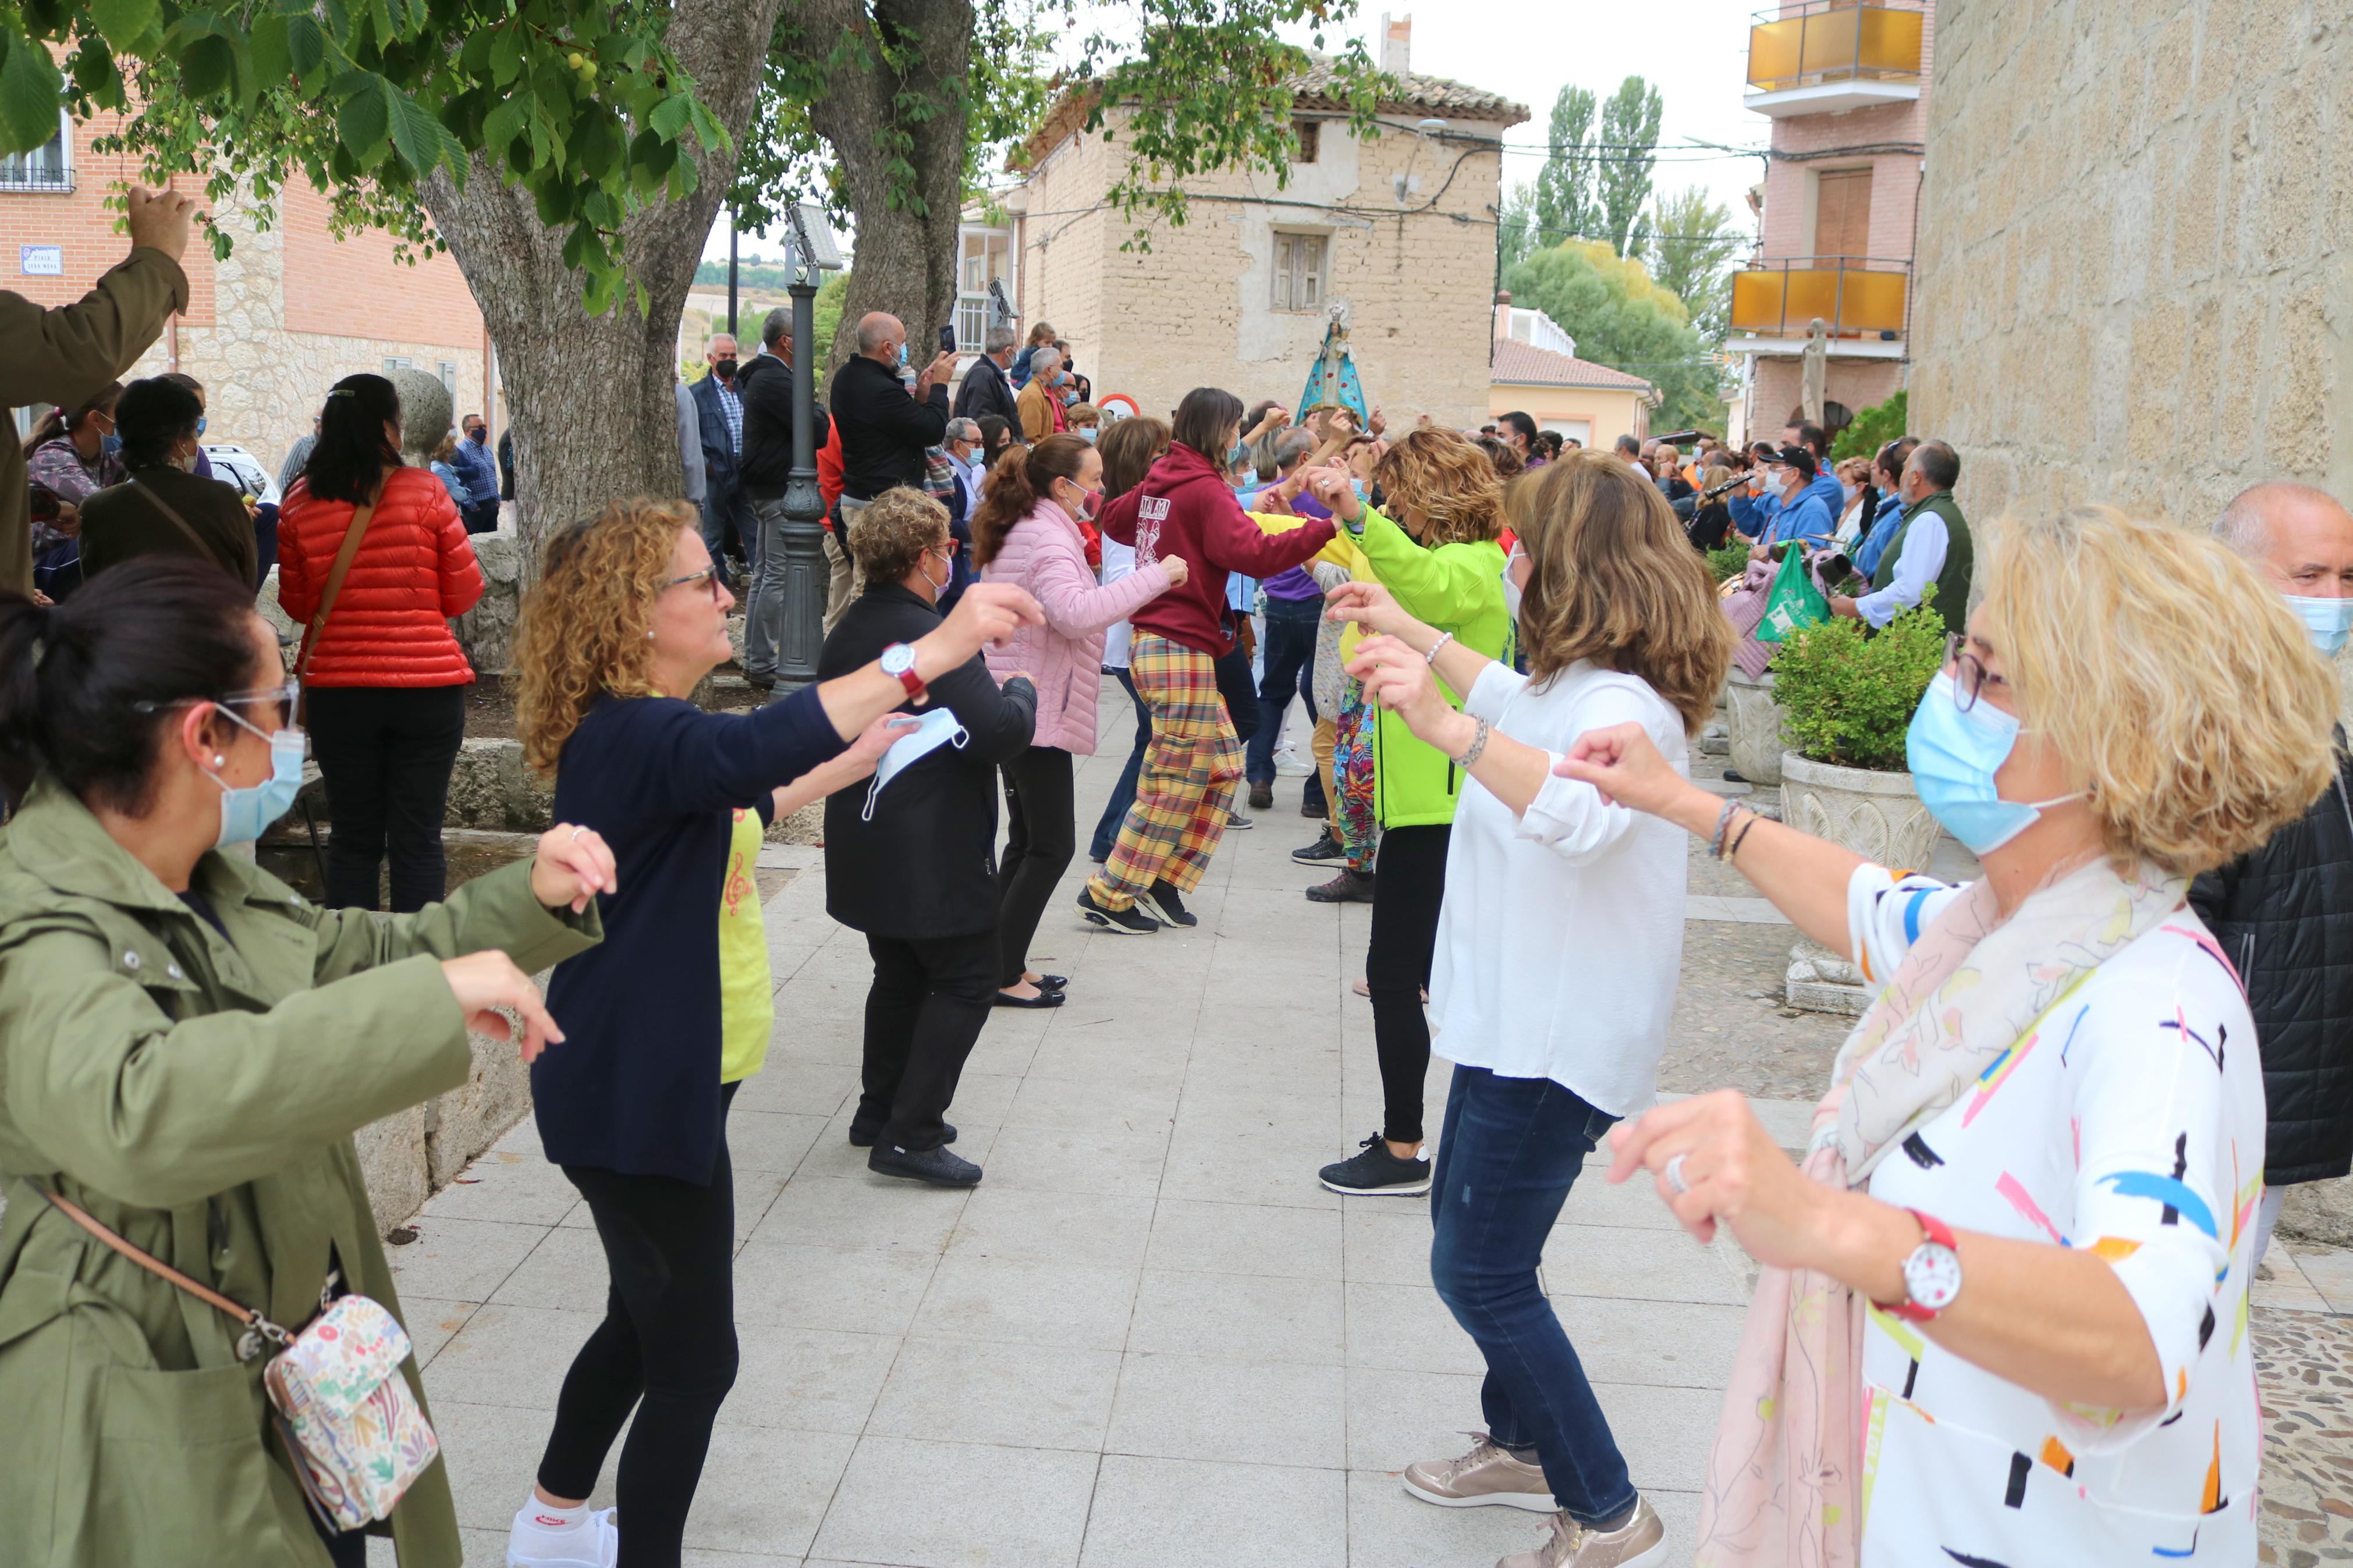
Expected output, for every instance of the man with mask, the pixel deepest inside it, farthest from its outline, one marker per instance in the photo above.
(727, 525)
(1930, 545)
(2283, 914)
(476, 467)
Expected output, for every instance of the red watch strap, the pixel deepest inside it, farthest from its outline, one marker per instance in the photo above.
(1939, 1232)
(907, 677)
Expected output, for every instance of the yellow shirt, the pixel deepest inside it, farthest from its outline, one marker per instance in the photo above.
(747, 1000)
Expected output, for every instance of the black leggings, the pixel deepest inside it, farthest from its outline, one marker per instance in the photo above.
(385, 753)
(667, 1347)
(1409, 886)
(1040, 839)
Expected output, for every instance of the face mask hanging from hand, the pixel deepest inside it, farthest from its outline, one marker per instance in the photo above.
(248, 812)
(1954, 755)
(2326, 620)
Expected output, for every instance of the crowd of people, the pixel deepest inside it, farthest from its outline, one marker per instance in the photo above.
(2002, 1316)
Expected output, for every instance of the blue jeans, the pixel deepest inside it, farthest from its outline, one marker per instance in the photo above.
(727, 509)
(1123, 794)
(1507, 1155)
(1290, 659)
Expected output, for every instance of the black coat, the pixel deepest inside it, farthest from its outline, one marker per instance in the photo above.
(884, 432)
(985, 391)
(926, 864)
(765, 385)
(2283, 914)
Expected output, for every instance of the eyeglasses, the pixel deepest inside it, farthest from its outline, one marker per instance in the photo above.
(287, 696)
(1971, 677)
(708, 577)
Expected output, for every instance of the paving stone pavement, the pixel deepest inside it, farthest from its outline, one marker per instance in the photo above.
(1149, 1336)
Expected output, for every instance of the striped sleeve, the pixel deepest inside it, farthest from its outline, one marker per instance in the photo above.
(1885, 913)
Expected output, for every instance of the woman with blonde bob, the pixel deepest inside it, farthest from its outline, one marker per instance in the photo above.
(628, 617)
(2003, 1316)
(1557, 949)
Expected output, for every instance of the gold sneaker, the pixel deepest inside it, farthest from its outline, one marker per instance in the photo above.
(1639, 1542)
(1487, 1473)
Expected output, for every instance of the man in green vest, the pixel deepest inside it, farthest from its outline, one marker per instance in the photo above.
(1931, 547)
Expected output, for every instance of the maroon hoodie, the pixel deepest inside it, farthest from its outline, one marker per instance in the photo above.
(1185, 507)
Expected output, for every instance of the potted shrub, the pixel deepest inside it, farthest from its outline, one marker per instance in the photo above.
(1846, 697)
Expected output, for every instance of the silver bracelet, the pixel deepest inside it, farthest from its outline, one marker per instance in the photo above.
(1477, 744)
(1431, 658)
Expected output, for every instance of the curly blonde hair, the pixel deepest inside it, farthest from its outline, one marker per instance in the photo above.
(2156, 662)
(892, 532)
(1444, 476)
(583, 630)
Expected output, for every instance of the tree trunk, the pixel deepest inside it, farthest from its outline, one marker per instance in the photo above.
(906, 260)
(589, 397)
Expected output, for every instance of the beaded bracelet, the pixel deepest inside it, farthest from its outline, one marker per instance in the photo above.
(1723, 818)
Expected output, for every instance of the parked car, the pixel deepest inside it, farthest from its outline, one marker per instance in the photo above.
(233, 465)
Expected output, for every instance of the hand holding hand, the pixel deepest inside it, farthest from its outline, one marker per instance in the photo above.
(1398, 679)
(484, 982)
(159, 220)
(1371, 607)
(1339, 497)
(1180, 574)
(1731, 1171)
(573, 866)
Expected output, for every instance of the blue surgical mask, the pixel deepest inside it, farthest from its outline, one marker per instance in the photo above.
(110, 443)
(1087, 434)
(934, 730)
(1954, 755)
(2327, 620)
(200, 424)
(903, 355)
(247, 811)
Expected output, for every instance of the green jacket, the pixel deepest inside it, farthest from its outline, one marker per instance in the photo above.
(198, 1096)
(1456, 588)
(1952, 596)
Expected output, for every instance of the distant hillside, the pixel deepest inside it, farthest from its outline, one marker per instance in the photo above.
(748, 275)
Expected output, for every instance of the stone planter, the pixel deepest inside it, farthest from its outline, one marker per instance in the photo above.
(1878, 816)
(1755, 727)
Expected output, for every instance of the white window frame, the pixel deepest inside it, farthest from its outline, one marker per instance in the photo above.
(972, 309)
(1301, 272)
(23, 183)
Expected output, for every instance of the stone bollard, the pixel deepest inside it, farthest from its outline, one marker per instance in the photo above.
(486, 632)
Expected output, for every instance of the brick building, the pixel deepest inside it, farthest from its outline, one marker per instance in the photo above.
(1846, 86)
(1399, 227)
(1536, 372)
(268, 330)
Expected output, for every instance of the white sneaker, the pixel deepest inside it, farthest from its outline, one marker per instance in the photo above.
(594, 1543)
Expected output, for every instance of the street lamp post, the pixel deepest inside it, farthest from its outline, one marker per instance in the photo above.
(805, 575)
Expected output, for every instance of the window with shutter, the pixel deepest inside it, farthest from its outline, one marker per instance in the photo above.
(1299, 271)
(1843, 214)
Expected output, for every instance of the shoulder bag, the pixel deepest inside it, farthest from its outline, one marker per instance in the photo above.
(342, 569)
(357, 1438)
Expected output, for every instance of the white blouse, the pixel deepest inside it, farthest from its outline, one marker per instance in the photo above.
(1562, 932)
(2130, 1123)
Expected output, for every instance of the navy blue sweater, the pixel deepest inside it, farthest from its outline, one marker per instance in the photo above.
(635, 1085)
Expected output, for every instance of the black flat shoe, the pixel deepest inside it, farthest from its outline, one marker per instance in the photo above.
(1052, 983)
(1043, 999)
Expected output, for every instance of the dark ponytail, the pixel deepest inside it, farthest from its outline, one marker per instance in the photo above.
(155, 630)
(1015, 489)
(353, 452)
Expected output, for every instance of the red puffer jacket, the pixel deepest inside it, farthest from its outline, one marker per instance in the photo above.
(415, 569)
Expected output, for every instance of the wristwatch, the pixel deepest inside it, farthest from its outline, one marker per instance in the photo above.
(1932, 1274)
(898, 659)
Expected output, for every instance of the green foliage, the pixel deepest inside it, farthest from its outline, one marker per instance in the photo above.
(1565, 207)
(1872, 429)
(1729, 562)
(767, 279)
(1847, 697)
(1630, 132)
(1515, 234)
(1619, 316)
(1693, 243)
(827, 308)
(579, 104)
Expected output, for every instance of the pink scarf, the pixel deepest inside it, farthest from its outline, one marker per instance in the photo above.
(1784, 1482)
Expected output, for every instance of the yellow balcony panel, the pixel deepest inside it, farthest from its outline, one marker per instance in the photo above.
(1831, 57)
(1858, 301)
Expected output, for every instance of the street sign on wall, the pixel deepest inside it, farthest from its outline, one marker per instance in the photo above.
(41, 260)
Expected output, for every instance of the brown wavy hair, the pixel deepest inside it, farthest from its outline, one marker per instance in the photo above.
(1015, 489)
(1444, 476)
(583, 630)
(1613, 579)
(1129, 449)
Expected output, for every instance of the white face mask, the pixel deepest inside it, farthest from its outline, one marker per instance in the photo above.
(935, 729)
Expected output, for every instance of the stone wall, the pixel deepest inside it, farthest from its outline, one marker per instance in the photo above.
(1196, 309)
(2134, 285)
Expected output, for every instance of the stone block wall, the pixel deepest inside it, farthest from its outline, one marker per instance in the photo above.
(2133, 280)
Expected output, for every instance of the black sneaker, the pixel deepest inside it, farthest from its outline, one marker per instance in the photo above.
(1323, 852)
(1732, 777)
(1235, 819)
(1350, 886)
(867, 1137)
(1261, 797)
(1376, 1170)
(1169, 905)
(940, 1167)
(1129, 921)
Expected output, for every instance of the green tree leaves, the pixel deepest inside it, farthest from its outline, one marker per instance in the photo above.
(1620, 317)
(29, 89)
(1693, 242)
(1565, 207)
(1630, 132)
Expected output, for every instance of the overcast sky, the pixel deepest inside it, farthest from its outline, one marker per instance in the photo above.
(1695, 51)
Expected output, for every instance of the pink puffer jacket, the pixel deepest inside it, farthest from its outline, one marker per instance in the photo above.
(1045, 554)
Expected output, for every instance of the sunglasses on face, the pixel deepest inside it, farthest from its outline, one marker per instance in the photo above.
(708, 577)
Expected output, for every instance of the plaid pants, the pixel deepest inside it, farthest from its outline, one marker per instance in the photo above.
(1354, 823)
(1186, 789)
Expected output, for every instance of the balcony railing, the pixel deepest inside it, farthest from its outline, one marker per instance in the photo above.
(1833, 41)
(1857, 296)
(17, 177)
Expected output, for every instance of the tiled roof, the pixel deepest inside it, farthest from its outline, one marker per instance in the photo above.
(1525, 364)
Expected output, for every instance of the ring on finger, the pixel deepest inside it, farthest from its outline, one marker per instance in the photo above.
(1674, 1175)
(576, 833)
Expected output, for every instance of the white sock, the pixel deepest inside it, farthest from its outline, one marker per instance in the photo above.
(548, 1516)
